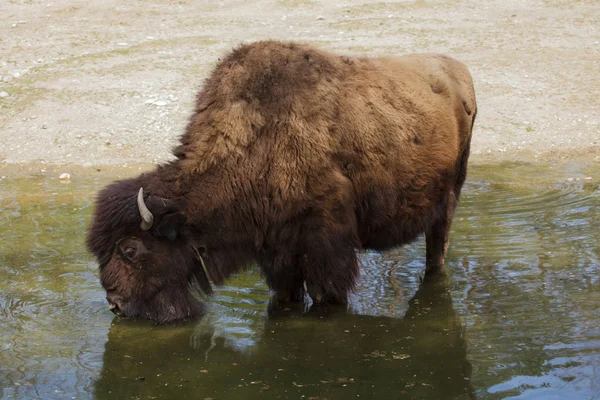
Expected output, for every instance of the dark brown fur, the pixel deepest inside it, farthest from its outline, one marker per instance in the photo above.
(294, 158)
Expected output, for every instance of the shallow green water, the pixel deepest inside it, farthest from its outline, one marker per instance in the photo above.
(516, 317)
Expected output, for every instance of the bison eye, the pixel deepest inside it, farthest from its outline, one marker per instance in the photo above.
(131, 249)
(129, 252)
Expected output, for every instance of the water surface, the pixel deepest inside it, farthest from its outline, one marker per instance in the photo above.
(515, 317)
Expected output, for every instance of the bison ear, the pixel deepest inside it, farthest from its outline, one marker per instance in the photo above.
(171, 225)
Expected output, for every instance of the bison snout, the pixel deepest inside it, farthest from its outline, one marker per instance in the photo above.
(114, 304)
(114, 308)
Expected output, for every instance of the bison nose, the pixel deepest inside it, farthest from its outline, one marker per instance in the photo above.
(114, 308)
(113, 305)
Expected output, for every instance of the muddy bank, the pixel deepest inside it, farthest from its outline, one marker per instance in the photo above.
(108, 84)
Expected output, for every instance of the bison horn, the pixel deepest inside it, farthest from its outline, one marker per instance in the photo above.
(147, 217)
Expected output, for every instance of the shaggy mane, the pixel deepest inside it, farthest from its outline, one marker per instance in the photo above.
(116, 215)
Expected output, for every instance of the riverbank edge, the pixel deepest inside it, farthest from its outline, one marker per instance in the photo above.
(584, 155)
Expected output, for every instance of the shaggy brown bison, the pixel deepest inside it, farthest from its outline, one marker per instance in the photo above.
(294, 158)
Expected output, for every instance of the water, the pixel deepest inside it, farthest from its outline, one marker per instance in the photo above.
(516, 316)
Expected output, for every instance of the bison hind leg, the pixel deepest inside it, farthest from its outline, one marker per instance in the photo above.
(436, 236)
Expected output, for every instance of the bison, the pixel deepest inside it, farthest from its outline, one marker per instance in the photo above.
(294, 159)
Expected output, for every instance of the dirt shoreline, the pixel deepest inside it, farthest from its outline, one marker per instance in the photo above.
(111, 85)
(566, 159)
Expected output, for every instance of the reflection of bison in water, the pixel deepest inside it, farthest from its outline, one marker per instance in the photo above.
(319, 354)
(293, 158)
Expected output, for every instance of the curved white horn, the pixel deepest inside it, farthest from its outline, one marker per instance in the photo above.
(147, 217)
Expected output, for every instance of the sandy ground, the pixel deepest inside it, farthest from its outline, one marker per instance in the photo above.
(111, 83)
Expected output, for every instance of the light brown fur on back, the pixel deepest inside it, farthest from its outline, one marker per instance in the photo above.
(283, 114)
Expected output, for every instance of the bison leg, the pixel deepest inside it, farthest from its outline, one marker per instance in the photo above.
(289, 288)
(323, 263)
(436, 237)
(329, 261)
(317, 252)
(283, 276)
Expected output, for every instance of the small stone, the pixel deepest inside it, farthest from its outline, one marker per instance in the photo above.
(123, 44)
(104, 135)
(160, 103)
(3, 94)
(65, 177)
(16, 74)
(320, 18)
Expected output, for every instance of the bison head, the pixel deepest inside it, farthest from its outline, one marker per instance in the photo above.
(148, 264)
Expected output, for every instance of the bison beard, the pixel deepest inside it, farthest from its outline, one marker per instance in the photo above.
(294, 158)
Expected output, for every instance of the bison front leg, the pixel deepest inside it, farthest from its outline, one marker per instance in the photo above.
(282, 273)
(329, 260)
(317, 248)
(322, 261)
(436, 237)
(289, 286)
